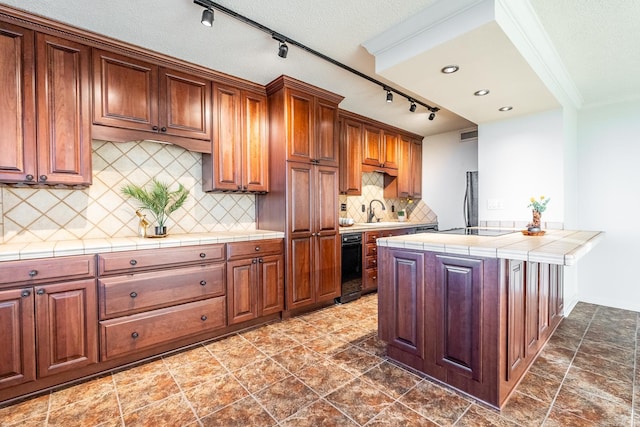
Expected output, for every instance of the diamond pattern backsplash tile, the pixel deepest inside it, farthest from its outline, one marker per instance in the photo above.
(373, 188)
(101, 211)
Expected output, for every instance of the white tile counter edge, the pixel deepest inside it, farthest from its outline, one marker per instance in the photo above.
(562, 247)
(21, 251)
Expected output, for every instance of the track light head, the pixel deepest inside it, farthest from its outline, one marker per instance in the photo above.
(432, 116)
(413, 106)
(207, 17)
(389, 96)
(283, 50)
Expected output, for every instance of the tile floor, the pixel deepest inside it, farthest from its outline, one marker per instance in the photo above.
(328, 369)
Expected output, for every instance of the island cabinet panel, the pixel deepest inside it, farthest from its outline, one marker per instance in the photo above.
(17, 340)
(473, 323)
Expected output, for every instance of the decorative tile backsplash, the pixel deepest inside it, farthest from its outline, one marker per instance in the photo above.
(101, 211)
(373, 188)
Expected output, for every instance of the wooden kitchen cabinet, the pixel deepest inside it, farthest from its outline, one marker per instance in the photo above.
(45, 137)
(370, 255)
(240, 155)
(351, 157)
(380, 148)
(409, 180)
(17, 340)
(136, 99)
(255, 280)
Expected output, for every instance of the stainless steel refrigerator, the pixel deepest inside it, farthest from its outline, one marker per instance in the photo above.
(470, 207)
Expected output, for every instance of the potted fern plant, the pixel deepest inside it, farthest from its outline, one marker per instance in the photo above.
(158, 200)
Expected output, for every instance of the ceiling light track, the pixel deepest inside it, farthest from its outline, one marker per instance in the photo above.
(284, 40)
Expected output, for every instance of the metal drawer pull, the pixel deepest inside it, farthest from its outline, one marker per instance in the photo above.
(203, 317)
(203, 282)
(257, 248)
(33, 273)
(260, 260)
(133, 262)
(40, 291)
(134, 335)
(133, 294)
(25, 293)
(202, 255)
(29, 177)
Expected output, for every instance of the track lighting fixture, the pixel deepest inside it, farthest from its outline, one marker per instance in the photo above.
(283, 50)
(432, 116)
(207, 17)
(413, 106)
(389, 96)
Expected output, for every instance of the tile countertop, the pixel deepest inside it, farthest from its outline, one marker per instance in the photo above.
(386, 225)
(562, 247)
(20, 251)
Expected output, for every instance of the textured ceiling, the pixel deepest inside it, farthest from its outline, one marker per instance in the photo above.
(587, 35)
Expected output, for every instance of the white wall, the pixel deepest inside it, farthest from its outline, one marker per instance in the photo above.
(609, 200)
(521, 158)
(445, 162)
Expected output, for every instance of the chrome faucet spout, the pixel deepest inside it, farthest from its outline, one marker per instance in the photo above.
(372, 213)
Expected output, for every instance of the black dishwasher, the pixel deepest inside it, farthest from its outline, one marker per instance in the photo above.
(351, 267)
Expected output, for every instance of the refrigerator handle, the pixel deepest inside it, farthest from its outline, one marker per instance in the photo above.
(465, 208)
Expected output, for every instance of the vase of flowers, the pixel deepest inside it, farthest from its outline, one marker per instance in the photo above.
(537, 207)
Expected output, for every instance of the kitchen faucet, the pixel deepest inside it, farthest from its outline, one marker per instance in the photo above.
(371, 211)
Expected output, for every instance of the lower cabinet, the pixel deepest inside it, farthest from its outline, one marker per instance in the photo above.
(476, 324)
(255, 280)
(370, 255)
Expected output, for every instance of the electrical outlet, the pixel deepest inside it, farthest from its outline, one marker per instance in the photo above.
(393, 208)
(364, 208)
(343, 207)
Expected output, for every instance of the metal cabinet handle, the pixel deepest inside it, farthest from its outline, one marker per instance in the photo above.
(203, 282)
(154, 128)
(239, 187)
(43, 178)
(203, 255)
(133, 294)
(133, 262)
(203, 317)
(33, 273)
(253, 261)
(29, 177)
(260, 260)
(25, 293)
(40, 291)
(257, 248)
(134, 335)
(163, 129)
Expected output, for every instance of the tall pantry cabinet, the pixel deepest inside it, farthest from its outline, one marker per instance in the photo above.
(303, 198)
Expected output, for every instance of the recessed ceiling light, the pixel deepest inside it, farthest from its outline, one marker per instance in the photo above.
(507, 108)
(450, 69)
(481, 92)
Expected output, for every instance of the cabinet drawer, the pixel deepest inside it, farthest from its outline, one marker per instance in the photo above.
(371, 250)
(371, 262)
(129, 334)
(132, 293)
(47, 270)
(253, 248)
(130, 261)
(370, 279)
(371, 237)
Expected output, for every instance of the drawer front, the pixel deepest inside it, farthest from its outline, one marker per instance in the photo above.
(254, 248)
(370, 279)
(130, 261)
(371, 262)
(129, 334)
(133, 293)
(371, 236)
(47, 270)
(371, 250)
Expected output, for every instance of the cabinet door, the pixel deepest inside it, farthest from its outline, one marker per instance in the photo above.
(242, 290)
(532, 300)
(225, 164)
(390, 143)
(556, 285)
(458, 309)
(326, 138)
(300, 126)
(301, 274)
(404, 179)
(125, 92)
(300, 202)
(17, 342)
(325, 202)
(327, 266)
(516, 353)
(255, 159)
(372, 146)
(64, 102)
(543, 302)
(66, 325)
(184, 105)
(351, 158)
(416, 169)
(18, 106)
(271, 279)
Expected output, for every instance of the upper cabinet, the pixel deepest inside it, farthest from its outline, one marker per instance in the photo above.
(350, 156)
(45, 137)
(311, 119)
(240, 156)
(136, 99)
(380, 148)
(409, 181)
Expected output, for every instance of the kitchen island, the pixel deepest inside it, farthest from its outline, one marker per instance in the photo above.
(473, 311)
